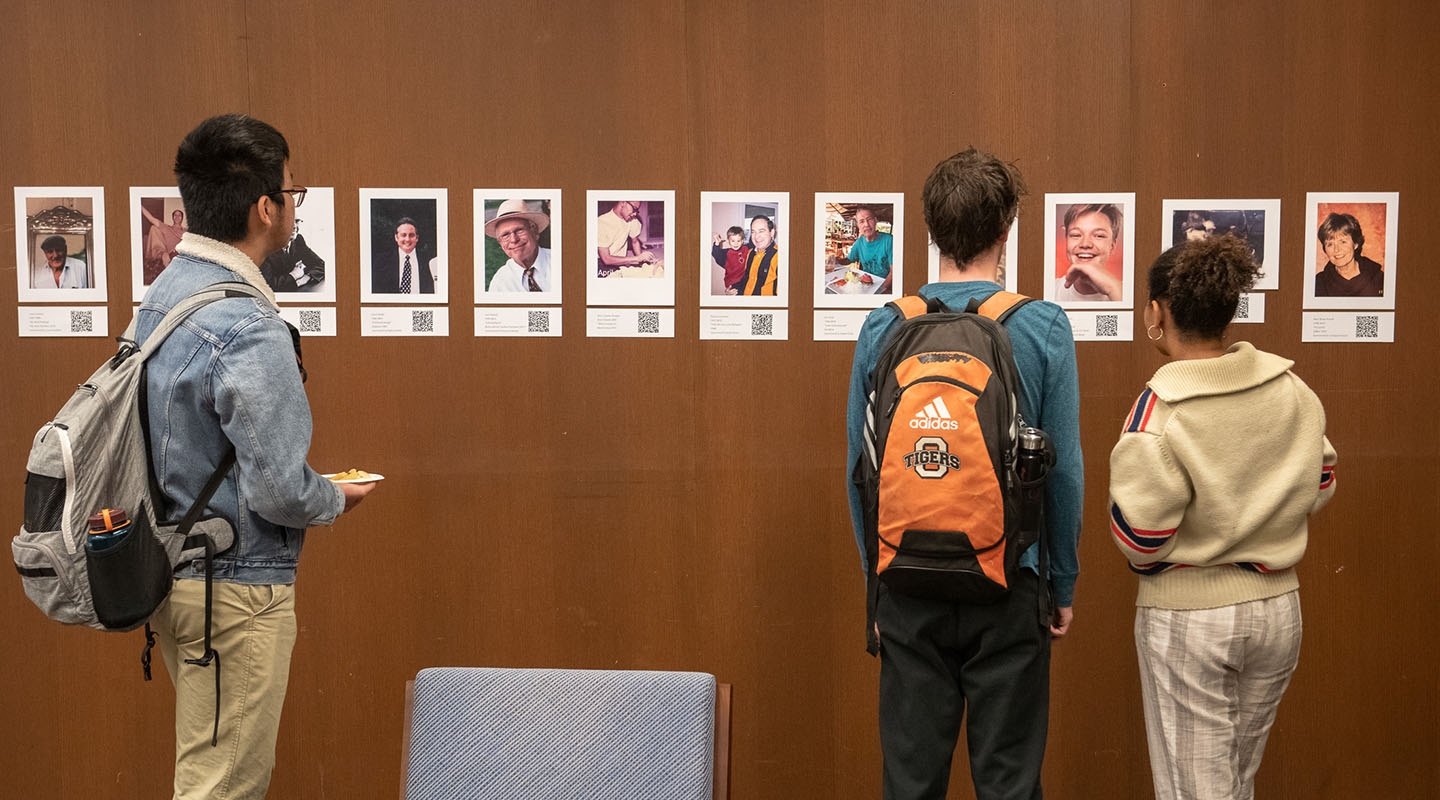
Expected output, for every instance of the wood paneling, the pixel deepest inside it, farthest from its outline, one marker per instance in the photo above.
(680, 504)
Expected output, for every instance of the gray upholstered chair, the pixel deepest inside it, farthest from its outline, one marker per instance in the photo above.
(528, 734)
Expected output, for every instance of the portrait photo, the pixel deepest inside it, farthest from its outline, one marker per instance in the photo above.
(1007, 278)
(744, 249)
(517, 246)
(630, 236)
(303, 271)
(1350, 249)
(157, 221)
(1090, 250)
(858, 249)
(1255, 222)
(60, 243)
(403, 246)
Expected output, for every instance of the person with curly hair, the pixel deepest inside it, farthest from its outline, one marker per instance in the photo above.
(1220, 463)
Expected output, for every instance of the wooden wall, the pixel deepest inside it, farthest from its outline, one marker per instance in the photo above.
(680, 504)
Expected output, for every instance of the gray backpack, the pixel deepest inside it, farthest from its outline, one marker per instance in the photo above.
(94, 455)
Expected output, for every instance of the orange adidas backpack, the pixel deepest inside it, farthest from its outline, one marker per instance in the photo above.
(937, 478)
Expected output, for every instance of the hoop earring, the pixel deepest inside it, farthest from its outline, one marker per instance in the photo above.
(1160, 333)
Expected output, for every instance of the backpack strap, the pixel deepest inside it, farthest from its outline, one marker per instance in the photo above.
(177, 314)
(910, 306)
(999, 306)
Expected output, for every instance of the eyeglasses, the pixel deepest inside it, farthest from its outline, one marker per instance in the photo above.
(298, 191)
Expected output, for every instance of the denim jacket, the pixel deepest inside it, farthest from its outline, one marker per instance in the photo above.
(229, 374)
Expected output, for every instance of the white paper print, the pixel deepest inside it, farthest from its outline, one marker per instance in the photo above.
(543, 321)
(1256, 222)
(640, 323)
(1102, 326)
(771, 324)
(64, 321)
(310, 320)
(838, 326)
(414, 321)
(1348, 326)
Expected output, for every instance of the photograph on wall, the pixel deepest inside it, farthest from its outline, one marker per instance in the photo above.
(1350, 249)
(403, 246)
(1255, 222)
(157, 221)
(1007, 278)
(517, 246)
(303, 271)
(60, 243)
(1090, 250)
(630, 235)
(744, 249)
(858, 257)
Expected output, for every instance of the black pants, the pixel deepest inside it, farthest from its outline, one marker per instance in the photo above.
(935, 657)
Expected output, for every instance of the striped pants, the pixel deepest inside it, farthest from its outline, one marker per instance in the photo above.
(1212, 680)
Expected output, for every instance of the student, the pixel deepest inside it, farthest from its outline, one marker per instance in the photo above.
(938, 657)
(229, 378)
(1220, 463)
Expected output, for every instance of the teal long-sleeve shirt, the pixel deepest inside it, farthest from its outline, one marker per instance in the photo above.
(1044, 350)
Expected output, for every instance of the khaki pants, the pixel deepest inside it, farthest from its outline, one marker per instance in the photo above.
(253, 630)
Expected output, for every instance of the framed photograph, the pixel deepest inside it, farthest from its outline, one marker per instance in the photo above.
(1350, 249)
(744, 241)
(1007, 277)
(60, 244)
(1255, 222)
(517, 246)
(1090, 250)
(157, 221)
(858, 244)
(304, 270)
(403, 246)
(630, 235)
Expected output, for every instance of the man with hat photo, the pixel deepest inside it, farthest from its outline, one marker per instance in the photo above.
(517, 226)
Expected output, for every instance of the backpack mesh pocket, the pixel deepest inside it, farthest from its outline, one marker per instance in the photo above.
(129, 579)
(44, 502)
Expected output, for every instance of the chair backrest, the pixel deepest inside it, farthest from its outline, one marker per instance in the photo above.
(477, 733)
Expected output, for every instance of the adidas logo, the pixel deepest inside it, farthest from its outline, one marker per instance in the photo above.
(934, 416)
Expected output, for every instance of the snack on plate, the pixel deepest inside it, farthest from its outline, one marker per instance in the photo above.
(350, 475)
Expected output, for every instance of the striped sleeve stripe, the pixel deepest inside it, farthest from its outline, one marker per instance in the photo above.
(1137, 539)
(1140, 412)
(1254, 566)
(1327, 478)
(1153, 568)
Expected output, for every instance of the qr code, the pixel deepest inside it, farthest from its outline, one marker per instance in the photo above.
(82, 321)
(540, 321)
(1107, 326)
(422, 321)
(309, 320)
(1367, 326)
(1242, 311)
(762, 324)
(649, 321)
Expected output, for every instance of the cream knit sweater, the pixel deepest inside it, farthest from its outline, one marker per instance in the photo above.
(1219, 465)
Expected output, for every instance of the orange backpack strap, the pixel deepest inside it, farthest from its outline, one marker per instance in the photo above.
(1001, 305)
(910, 306)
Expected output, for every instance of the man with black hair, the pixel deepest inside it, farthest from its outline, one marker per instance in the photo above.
(400, 270)
(762, 263)
(938, 657)
(228, 379)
